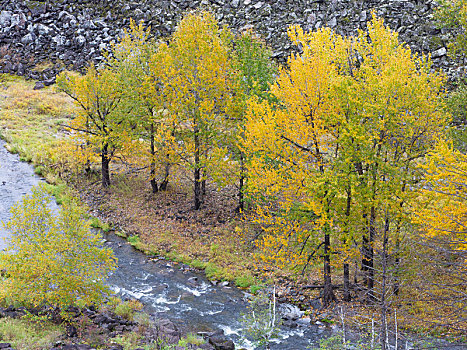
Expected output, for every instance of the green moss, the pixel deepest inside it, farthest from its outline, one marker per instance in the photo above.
(39, 170)
(255, 288)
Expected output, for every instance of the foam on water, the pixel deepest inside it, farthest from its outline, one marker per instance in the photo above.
(202, 289)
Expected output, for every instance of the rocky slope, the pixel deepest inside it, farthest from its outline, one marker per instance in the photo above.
(69, 33)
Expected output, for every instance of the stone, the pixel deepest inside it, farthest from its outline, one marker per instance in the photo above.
(5, 345)
(18, 20)
(168, 331)
(28, 39)
(37, 30)
(439, 53)
(290, 312)
(60, 40)
(81, 40)
(221, 343)
(5, 18)
(39, 85)
(43, 29)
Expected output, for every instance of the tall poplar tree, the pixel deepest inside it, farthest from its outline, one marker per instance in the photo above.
(198, 83)
(135, 59)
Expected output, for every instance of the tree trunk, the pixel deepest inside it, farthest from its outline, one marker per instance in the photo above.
(105, 166)
(154, 187)
(396, 286)
(384, 304)
(197, 173)
(203, 185)
(368, 255)
(241, 204)
(328, 293)
(203, 182)
(165, 182)
(346, 296)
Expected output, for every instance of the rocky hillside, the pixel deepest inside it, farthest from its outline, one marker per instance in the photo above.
(39, 38)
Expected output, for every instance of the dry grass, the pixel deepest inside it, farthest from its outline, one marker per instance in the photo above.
(30, 120)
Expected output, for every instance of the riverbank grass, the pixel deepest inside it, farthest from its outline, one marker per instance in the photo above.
(27, 334)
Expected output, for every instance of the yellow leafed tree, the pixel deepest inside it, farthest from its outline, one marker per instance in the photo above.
(338, 156)
(442, 203)
(53, 260)
(139, 65)
(100, 123)
(198, 83)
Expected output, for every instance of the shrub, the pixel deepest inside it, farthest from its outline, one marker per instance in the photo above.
(128, 308)
(53, 258)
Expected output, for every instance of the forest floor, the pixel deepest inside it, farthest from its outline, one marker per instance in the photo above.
(214, 238)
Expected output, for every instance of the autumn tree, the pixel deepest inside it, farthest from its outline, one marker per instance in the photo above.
(100, 121)
(340, 154)
(255, 74)
(53, 259)
(440, 214)
(198, 89)
(135, 59)
(291, 158)
(397, 101)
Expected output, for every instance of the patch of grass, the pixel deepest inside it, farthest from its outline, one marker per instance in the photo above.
(246, 280)
(61, 193)
(198, 264)
(256, 288)
(191, 339)
(24, 334)
(39, 170)
(30, 121)
(129, 341)
(128, 309)
(99, 224)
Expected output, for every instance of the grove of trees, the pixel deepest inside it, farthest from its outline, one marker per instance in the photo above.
(342, 154)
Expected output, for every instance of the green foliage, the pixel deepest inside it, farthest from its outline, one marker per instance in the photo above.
(129, 341)
(53, 259)
(245, 280)
(101, 121)
(336, 342)
(256, 70)
(191, 339)
(457, 104)
(256, 288)
(99, 224)
(134, 241)
(199, 80)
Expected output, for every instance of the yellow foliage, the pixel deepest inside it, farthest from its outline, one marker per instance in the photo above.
(354, 116)
(53, 260)
(441, 207)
